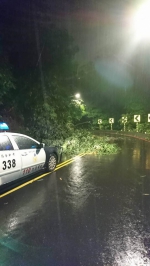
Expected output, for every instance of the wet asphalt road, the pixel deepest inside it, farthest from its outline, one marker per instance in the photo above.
(95, 211)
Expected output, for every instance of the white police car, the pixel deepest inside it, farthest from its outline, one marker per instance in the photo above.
(21, 155)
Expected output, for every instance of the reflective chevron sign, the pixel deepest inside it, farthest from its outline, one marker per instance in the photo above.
(111, 120)
(137, 118)
(99, 121)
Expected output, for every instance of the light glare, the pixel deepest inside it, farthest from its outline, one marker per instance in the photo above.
(141, 21)
(77, 95)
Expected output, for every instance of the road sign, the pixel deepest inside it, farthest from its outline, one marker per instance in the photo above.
(124, 119)
(99, 121)
(137, 118)
(111, 120)
(148, 117)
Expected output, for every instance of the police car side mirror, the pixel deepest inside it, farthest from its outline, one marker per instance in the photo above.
(41, 145)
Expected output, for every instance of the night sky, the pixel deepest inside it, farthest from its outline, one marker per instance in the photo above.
(101, 29)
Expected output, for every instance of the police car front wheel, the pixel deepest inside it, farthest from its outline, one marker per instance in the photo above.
(52, 162)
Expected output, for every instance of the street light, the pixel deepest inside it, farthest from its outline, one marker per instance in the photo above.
(77, 95)
(141, 22)
(78, 99)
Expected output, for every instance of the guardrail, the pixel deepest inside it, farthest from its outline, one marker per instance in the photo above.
(123, 133)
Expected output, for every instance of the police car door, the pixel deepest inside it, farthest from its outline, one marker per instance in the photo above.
(10, 160)
(32, 157)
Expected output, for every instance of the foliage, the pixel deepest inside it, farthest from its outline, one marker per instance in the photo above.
(6, 80)
(84, 141)
(44, 77)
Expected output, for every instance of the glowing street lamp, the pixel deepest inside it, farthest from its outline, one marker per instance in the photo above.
(141, 21)
(77, 95)
(78, 99)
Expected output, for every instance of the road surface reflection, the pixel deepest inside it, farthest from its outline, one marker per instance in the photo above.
(95, 211)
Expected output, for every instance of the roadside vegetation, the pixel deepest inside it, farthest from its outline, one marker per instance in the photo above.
(83, 141)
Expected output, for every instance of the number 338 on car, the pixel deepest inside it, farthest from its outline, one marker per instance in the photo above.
(21, 155)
